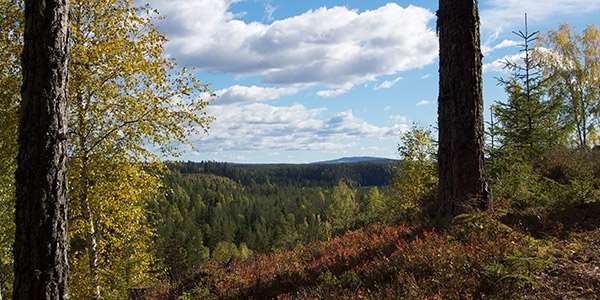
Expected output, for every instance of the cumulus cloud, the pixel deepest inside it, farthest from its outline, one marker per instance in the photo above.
(245, 94)
(387, 84)
(347, 47)
(259, 126)
(498, 14)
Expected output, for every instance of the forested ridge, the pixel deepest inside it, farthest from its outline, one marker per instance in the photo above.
(374, 173)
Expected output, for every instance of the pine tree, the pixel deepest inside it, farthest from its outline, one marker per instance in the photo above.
(40, 251)
(462, 185)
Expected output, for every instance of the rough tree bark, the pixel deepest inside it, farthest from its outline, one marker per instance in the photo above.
(40, 247)
(462, 187)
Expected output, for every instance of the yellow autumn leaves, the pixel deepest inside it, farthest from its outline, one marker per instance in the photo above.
(573, 64)
(128, 104)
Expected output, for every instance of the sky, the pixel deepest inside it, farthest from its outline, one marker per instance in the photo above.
(303, 80)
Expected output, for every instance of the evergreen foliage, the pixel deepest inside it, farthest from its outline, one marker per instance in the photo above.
(205, 216)
(376, 173)
(528, 121)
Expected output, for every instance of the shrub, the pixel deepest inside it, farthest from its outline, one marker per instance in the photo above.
(516, 182)
(559, 178)
(414, 177)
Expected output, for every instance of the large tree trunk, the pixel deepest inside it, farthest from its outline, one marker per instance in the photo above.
(41, 183)
(462, 187)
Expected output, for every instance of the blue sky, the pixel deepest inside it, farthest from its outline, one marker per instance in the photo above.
(300, 81)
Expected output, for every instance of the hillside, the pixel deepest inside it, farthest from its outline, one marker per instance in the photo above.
(220, 211)
(540, 242)
(479, 257)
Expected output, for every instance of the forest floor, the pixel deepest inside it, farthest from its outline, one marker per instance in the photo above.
(576, 272)
(554, 255)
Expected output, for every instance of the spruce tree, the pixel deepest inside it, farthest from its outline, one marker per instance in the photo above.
(528, 121)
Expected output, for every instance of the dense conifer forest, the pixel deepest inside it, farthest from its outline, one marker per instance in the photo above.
(226, 211)
(372, 173)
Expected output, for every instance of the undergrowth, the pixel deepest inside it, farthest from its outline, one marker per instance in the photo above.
(478, 257)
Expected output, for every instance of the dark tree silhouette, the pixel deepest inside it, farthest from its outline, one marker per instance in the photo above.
(40, 248)
(462, 186)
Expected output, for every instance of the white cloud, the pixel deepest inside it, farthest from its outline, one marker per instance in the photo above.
(498, 14)
(504, 44)
(426, 76)
(331, 93)
(241, 94)
(518, 59)
(259, 126)
(498, 64)
(387, 84)
(335, 91)
(333, 46)
(423, 102)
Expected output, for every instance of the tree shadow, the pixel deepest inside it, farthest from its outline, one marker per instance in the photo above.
(557, 221)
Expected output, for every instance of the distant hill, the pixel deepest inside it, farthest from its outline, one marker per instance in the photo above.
(362, 171)
(355, 159)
